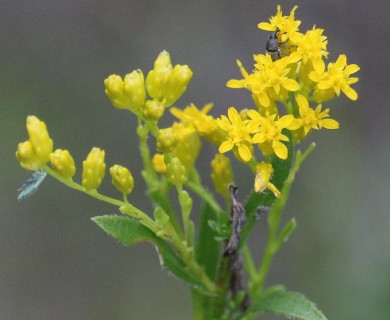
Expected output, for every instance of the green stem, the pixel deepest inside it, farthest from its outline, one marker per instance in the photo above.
(274, 218)
(195, 185)
(124, 206)
(157, 188)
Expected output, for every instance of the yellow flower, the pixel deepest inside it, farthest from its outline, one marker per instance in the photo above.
(63, 163)
(275, 74)
(264, 172)
(203, 123)
(268, 131)
(238, 135)
(221, 174)
(314, 119)
(122, 179)
(335, 79)
(270, 79)
(93, 169)
(287, 25)
(34, 153)
(312, 45)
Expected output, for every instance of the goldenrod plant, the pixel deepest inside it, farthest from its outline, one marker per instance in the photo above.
(289, 83)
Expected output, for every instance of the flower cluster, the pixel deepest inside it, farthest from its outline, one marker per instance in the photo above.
(286, 84)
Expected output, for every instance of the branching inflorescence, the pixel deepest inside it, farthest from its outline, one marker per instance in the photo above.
(288, 85)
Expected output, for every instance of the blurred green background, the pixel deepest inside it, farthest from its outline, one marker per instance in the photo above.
(56, 264)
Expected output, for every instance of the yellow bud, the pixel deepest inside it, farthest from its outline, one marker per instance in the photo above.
(93, 169)
(221, 174)
(177, 84)
(153, 110)
(27, 158)
(39, 138)
(114, 89)
(157, 78)
(63, 163)
(163, 60)
(122, 179)
(34, 153)
(158, 163)
(167, 140)
(176, 172)
(134, 86)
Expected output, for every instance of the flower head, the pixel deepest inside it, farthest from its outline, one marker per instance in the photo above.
(335, 79)
(268, 131)
(238, 135)
(314, 118)
(287, 25)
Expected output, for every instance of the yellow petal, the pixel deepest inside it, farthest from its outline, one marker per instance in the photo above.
(226, 146)
(291, 85)
(350, 93)
(236, 84)
(266, 26)
(330, 124)
(244, 152)
(280, 150)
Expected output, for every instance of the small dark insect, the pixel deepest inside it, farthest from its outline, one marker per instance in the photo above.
(272, 45)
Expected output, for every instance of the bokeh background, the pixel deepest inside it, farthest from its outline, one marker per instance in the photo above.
(56, 264)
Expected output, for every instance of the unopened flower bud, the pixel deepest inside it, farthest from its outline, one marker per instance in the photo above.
(221, 174)
(115, 91)
(157, 78)
(177, 83)
(34, 153)
(167, 140)
(158, 163)
(153, 110)
(122, 179)
(134, 86)
(63, 163)
(176, 172)
(188, 147)
(39, 138)
(93, 169)
(27, 158)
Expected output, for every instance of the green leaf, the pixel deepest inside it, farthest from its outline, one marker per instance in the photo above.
(208, 248)
(289, 304)
(129, 232)
(281, 169)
